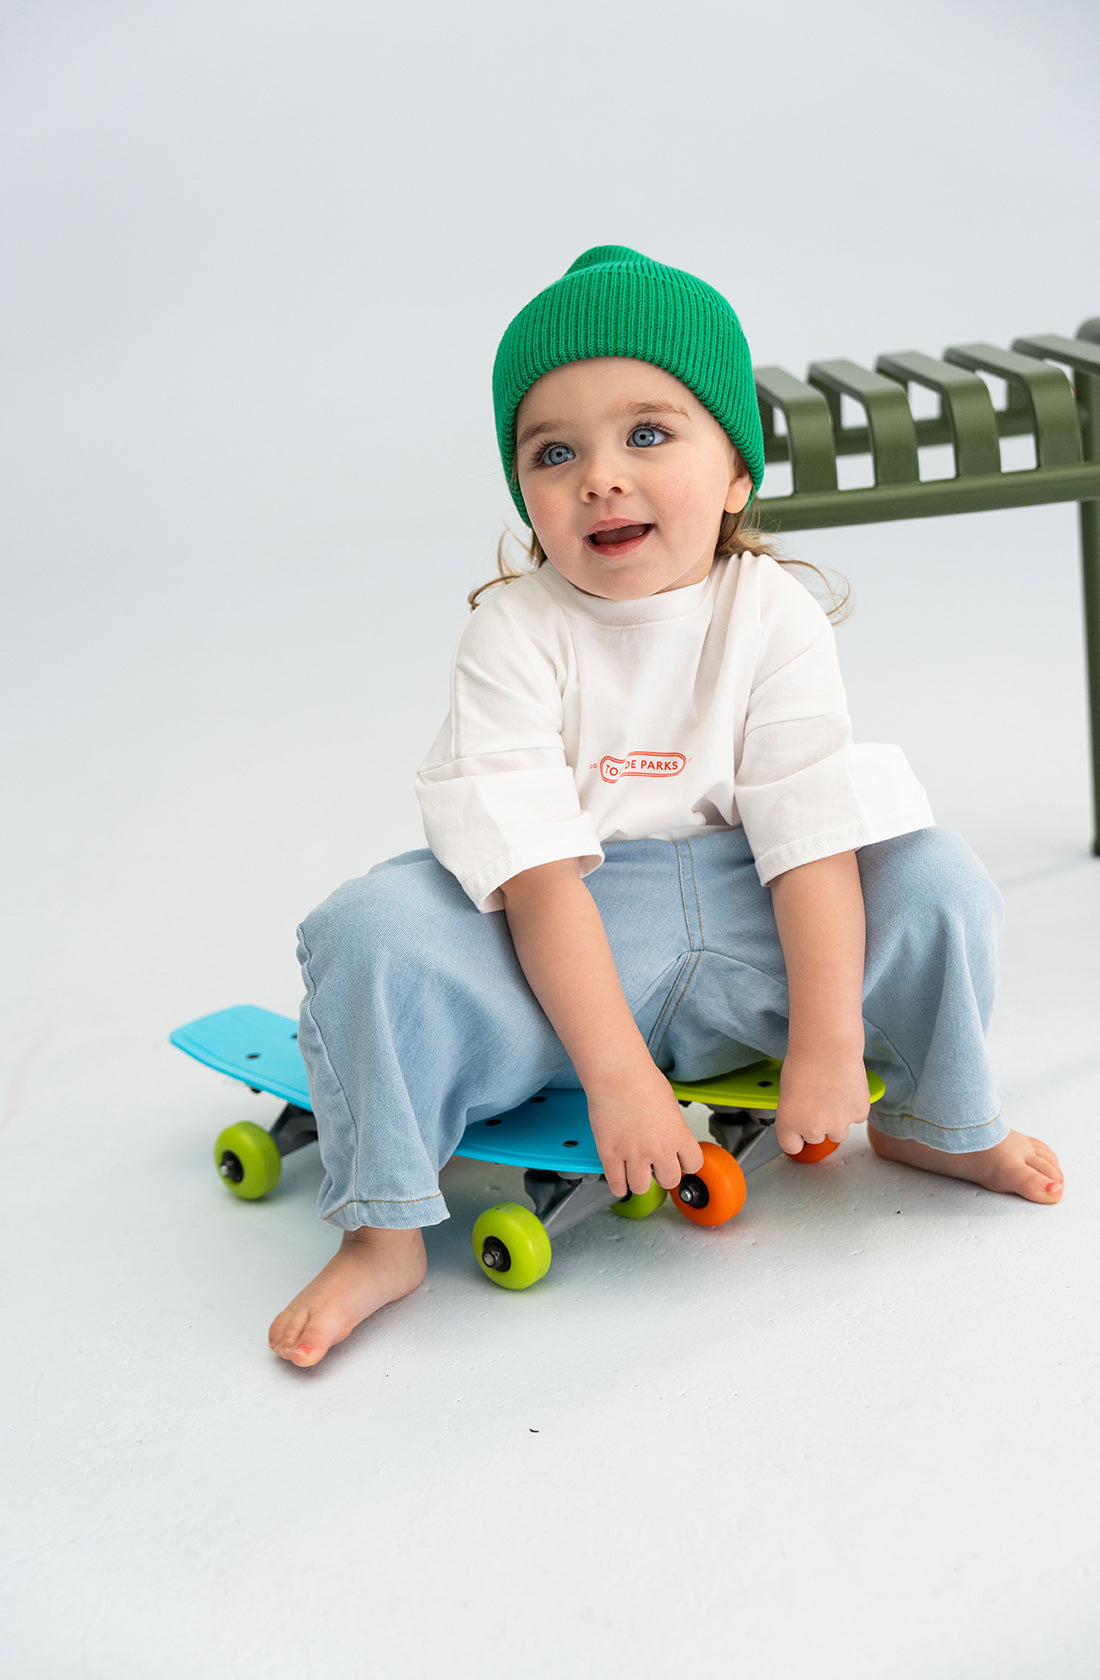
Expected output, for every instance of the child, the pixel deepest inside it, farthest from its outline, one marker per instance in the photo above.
(656, 848)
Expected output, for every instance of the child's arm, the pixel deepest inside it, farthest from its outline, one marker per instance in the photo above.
(563, 950)
(823, 1088)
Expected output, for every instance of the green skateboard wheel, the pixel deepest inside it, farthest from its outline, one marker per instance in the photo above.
(640, 1207)
(511, 1245)
(247, 1159)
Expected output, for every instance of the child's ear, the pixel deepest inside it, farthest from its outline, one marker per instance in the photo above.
(740, 488)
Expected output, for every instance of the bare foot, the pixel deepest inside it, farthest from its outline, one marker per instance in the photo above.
(370, 1268)
(1019, 1165)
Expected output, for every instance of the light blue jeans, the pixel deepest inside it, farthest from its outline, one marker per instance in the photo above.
(418, 1018)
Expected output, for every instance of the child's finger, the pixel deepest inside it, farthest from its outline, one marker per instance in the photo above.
(791, 1141)
(690, 1157)
(669, 1171)
(638, 1176)
(615, 1174)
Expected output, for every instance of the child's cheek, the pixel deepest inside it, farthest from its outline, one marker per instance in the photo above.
(542, 520)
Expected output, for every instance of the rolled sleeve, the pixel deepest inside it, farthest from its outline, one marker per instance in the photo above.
(486, 823)
(853, 798)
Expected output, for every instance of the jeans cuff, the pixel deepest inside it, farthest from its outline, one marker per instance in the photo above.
(953, 1140)
(389, 1216)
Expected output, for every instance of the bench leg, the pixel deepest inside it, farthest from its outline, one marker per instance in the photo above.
(1090, 570)
(1088, 397)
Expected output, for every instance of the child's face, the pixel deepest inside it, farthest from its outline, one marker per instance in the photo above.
(616, 445)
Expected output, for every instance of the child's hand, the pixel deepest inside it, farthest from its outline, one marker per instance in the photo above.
(820, 1097)
(640, 1128)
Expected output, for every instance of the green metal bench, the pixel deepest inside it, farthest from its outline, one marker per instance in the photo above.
(1063, 420)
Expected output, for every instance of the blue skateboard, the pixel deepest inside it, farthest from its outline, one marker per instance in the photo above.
(548, 1136)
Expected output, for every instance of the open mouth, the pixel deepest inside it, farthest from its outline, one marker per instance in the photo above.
(618, 539)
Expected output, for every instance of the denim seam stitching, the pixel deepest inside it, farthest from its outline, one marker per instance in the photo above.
(903, 1114)
(656, 1051)
(664, 1020)
(384, 1201)
(698, 949)
(867, 1022)
(308, 1007)
(695, 890)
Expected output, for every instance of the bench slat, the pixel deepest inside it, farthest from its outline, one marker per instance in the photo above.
(889, 417)
(1045, 389)
(1081, 356)
(964, 400)
(810, 441)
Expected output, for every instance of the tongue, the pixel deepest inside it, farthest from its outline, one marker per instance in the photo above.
(621, 534)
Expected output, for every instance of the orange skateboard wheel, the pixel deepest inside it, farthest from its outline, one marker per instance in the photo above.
(713, 1194)
(811, 1152)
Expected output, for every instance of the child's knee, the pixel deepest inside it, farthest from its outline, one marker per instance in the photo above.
(931, 875)
(934, 920)
(353, 923)
(387, 912)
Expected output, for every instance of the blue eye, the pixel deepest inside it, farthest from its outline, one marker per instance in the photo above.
(645, 437)
(556, 455)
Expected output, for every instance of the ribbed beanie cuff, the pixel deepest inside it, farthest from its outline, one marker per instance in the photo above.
(615, 302)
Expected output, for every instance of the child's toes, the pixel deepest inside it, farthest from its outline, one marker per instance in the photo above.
(1042, 1160)
(290, 1338)
(1041, 1183)
(303, 1334)
(306, 1353)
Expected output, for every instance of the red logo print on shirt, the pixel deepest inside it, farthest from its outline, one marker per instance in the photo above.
(641, 764)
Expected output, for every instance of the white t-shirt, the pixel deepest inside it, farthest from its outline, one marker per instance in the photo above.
(576, 721)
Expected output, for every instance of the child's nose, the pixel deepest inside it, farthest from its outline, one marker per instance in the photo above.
(604, 475)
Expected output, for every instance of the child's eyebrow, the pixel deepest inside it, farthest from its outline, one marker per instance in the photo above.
(539, 427)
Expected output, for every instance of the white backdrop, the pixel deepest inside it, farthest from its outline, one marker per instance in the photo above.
(257, 257)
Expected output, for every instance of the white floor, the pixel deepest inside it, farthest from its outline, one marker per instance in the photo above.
(851, 1433)
(854, 1433)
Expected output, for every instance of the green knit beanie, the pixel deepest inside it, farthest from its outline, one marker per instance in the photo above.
(615, 302)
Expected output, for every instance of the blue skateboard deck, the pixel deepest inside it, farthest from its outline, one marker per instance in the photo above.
(253, 1045)
(549, 1132)
(548, 1135)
